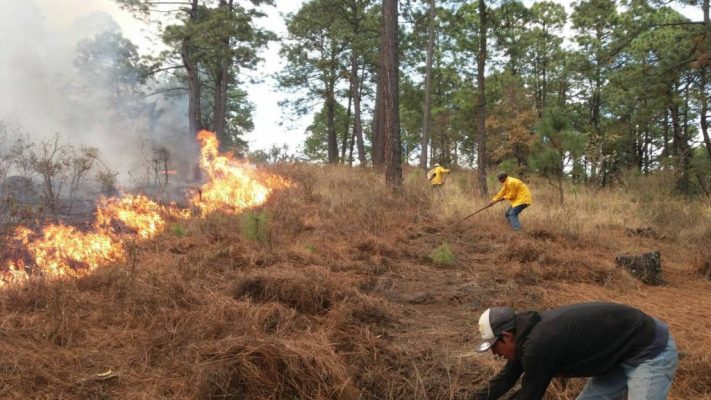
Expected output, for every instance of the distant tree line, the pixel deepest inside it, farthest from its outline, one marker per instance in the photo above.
(485, 84)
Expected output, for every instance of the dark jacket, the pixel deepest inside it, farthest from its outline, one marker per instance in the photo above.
(587, 339)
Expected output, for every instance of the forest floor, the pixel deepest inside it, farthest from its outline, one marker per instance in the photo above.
(341, 299)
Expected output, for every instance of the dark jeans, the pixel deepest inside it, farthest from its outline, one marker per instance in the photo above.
(512, 215)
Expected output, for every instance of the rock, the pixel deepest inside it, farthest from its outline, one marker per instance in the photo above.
(646, 267)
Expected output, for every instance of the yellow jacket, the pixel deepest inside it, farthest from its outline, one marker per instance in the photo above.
(514, 191)
(436, 175)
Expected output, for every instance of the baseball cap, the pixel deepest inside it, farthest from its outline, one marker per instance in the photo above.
(492, 323)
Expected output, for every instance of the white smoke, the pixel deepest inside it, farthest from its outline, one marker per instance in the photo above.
(45, 93)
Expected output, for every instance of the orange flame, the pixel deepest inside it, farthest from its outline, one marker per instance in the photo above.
(136, 212)
(61, 250)
(233, 185)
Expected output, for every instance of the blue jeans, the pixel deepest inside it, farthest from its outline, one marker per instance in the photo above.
(512, 215)
(649, 380)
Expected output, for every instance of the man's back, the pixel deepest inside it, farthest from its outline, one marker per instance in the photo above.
(589, 338)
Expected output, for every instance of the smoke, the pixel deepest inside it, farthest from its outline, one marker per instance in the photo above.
(66, 68)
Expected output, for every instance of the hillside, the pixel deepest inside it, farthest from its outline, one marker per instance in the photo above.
(329, 291)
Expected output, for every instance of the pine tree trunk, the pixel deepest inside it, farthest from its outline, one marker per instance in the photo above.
(703, 112)
(347, 127)
(378, 145)
(357, 123)
(427, 114)
(481, 107)
(390, 96)
(191, 68)
(221, 83)
(331, 123)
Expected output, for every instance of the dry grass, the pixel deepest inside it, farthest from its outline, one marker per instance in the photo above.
(343, 301)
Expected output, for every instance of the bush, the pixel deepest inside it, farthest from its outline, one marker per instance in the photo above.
(442, 255)
(255, 226)
(178, 230)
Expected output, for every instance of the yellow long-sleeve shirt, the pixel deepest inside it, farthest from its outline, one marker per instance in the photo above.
(437, 174)
(514, 191)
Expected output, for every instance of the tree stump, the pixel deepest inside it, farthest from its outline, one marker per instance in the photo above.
(646, 267)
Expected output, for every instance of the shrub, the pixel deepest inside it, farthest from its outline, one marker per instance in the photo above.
(255, 226)
(178, 230)
(442, 255)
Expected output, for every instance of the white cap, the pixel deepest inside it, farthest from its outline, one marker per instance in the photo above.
(492, 323)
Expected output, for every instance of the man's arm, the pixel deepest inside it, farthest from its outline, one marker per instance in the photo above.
(534, 384)
(500, 384)
(499, 196)
(541, 365)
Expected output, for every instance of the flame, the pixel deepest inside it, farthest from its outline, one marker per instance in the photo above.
(60, 250)
(233, 185)
(136, 212)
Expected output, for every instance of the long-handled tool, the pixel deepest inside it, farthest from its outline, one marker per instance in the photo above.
(475, 213)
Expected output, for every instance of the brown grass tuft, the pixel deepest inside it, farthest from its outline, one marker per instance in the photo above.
(309, 291)
(274, 368)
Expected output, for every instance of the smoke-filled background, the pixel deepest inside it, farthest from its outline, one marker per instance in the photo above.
(67, 69)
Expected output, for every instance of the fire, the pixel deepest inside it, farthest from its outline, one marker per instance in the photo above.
(63, 250)
(233, 185)
(136, 212)
(60, 250)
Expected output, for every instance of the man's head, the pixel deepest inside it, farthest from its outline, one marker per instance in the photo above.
(502, 177)
(436, 165)
(497, 326)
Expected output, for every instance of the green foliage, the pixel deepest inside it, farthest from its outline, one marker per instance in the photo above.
(443, 256)
(557, 147)
(254, 226)
(178, 230)
(316, 143)
(701, 170)
(220, 40)
(510, 165)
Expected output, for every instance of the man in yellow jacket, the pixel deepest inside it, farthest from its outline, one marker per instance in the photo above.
(437, 176)
(517, 193)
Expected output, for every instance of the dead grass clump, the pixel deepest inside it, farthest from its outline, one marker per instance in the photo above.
(309, 291)
(489, 291)
(274, 368)
(577, 271)
(362, 310)
(290, 213)
(347, 201)
(523, 251)
(693, 376)
(378, 367)
(373, 245)
(277, 319)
